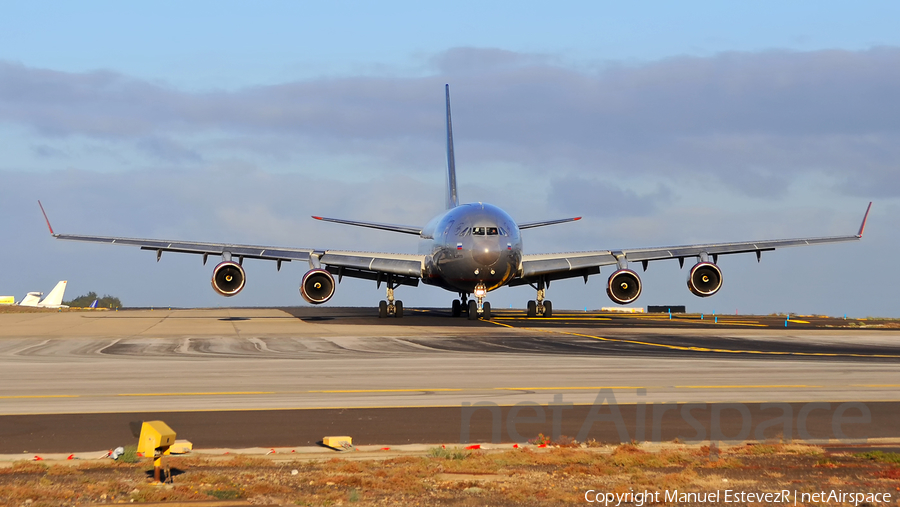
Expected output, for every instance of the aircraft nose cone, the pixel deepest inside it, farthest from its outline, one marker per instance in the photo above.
(486, 255)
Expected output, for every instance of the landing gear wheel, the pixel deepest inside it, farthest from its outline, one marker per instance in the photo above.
(473, 310)
(456, 308)
(398, 309)
(548, 309)
(382, 309)
(532, 309)
(486, 311)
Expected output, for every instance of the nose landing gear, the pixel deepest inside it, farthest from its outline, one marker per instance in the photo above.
(480, 307)
(473, 308)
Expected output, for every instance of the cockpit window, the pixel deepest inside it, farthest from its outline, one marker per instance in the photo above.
(485, 231)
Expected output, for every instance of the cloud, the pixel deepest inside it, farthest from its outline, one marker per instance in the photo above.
(598, 198)
(751, 121)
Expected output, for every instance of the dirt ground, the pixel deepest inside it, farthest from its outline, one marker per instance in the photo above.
(554, 475)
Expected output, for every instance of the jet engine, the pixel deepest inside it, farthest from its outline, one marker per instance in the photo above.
(624, 286)
(705, 279)
(317, 286)
(228, 278)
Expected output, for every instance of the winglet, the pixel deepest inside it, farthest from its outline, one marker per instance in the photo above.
(862, 226)
(46, 219)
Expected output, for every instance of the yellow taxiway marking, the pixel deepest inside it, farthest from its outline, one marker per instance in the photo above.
(699, 349)
(382, 390)
(710, 322)
(225, 393)
(554, 318)
(747, 387)
(798, 321)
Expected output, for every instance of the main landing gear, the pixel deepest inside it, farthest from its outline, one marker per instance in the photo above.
(390, 308)
(541, 307)
(473, 308)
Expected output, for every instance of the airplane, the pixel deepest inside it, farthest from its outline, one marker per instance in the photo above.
(470, 249)
(53, 299)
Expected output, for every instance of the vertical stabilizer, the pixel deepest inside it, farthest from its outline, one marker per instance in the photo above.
(94, 304)
(31, 299)
(55, 297)
(452, 198)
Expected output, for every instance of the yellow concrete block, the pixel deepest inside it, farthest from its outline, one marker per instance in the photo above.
(7, 300)
(155, 434)
(181, 447)
(337, 442)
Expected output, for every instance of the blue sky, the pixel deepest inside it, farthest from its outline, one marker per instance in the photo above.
(662, 123)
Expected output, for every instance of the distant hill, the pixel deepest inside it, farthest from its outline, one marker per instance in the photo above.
(106, 301)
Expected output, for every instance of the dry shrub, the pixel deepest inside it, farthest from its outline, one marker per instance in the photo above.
(352, 467)
(244, 461)
(148, 493)
(595, 469)
(763, 449)
(564, 441)
(628, 449)
(803, 449)
(676, 457)
(723, 462)
(24, 467)
(676, 480)
(100, 464)
(891, 473)
(629, 456)
(57, 470)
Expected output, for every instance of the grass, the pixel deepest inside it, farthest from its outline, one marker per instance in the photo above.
(130, 455)
(452, 453)
(452, 476)
(880, 457)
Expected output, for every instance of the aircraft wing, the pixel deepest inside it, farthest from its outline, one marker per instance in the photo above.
(583, 264)
(345, 263)
(206, 249)
(405, 269)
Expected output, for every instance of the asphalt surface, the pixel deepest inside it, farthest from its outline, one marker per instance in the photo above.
(281, 377)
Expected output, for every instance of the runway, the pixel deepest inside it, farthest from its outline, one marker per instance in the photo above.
(331, 358)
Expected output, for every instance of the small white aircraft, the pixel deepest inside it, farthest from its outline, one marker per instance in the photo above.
(53, 300)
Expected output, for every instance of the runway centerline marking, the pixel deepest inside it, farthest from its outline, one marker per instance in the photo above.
(384, 390)
(750, 387)
(699, 349)
(568, 388)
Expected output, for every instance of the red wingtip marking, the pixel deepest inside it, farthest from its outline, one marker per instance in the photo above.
(45, 217)
(317, 218)
(577, 218)
(862, 227)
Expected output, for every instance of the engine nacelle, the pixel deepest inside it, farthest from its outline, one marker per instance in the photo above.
(624, 286)
(317, 286)
(228, 278)
(705, 279)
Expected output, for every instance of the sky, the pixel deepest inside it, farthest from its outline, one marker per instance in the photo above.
(661, 123)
